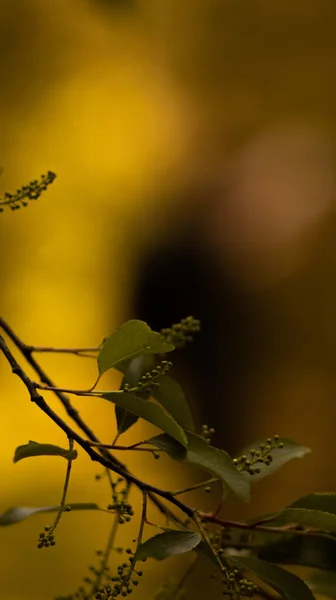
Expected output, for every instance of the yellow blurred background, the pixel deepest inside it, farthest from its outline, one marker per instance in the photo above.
(130, 102)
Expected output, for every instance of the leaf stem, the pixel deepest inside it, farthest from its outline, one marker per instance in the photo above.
(195, 487)
(65, 490)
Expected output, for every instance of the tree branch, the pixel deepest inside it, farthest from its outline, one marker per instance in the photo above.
(71, 434)
(72, 412)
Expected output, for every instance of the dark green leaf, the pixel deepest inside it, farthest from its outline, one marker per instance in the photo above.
(164, 442)
(36, 449)
(325, 501)
(323, 583)
(133, 371)
(20, 513)
(150, 412)
(170, 395)
(304, 550)
(212, 460)
(124, 419)
(280, 456)
(307, 518)
(168, 544)
(288, 585)
(127, 342)
(314, 510)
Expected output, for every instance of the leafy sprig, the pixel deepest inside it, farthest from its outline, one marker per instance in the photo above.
(23, 195)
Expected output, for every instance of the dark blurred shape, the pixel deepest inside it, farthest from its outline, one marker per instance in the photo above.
(180, 278)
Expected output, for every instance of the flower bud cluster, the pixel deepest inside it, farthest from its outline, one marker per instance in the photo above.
(149, 380)
(207, 433)
(181, 333)
(123, 583)
(235, 586)
(32, 191)
(261, 455)
(46, 537)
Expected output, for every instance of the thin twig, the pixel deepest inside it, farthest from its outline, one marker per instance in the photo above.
(76, 351)
(290, 528)
(114, 447)
(195, 487)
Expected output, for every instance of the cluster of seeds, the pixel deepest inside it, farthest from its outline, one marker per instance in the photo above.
(119, 503)
(207, 433)
(262, 455)
(181, 333)
(219, 538)
(32, 191)
(101, 572)
(121, 584)
(46, 537)
(149, 380)
(235, 586)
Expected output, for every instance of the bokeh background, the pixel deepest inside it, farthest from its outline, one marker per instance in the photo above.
(194, 143)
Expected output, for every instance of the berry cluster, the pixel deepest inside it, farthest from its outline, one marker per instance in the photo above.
(262, 455)
(236, 586)
(181, 333)
(149, 380)
(123, 582)
(219, 538)
(46, 537)
(32, 191)
(207, 433)
(101, 572)
(119, 503)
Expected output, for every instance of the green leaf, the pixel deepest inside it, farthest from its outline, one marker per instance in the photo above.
(280, 456)
(36, 449)
(288, 585)
(307, 518)
(323, 583)
(314, 510)
(150, 412)
(20, 513)
(170, 395)
(212, 460)
(127, 342)
(133, 371)
(168, 544)
(325, 501)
